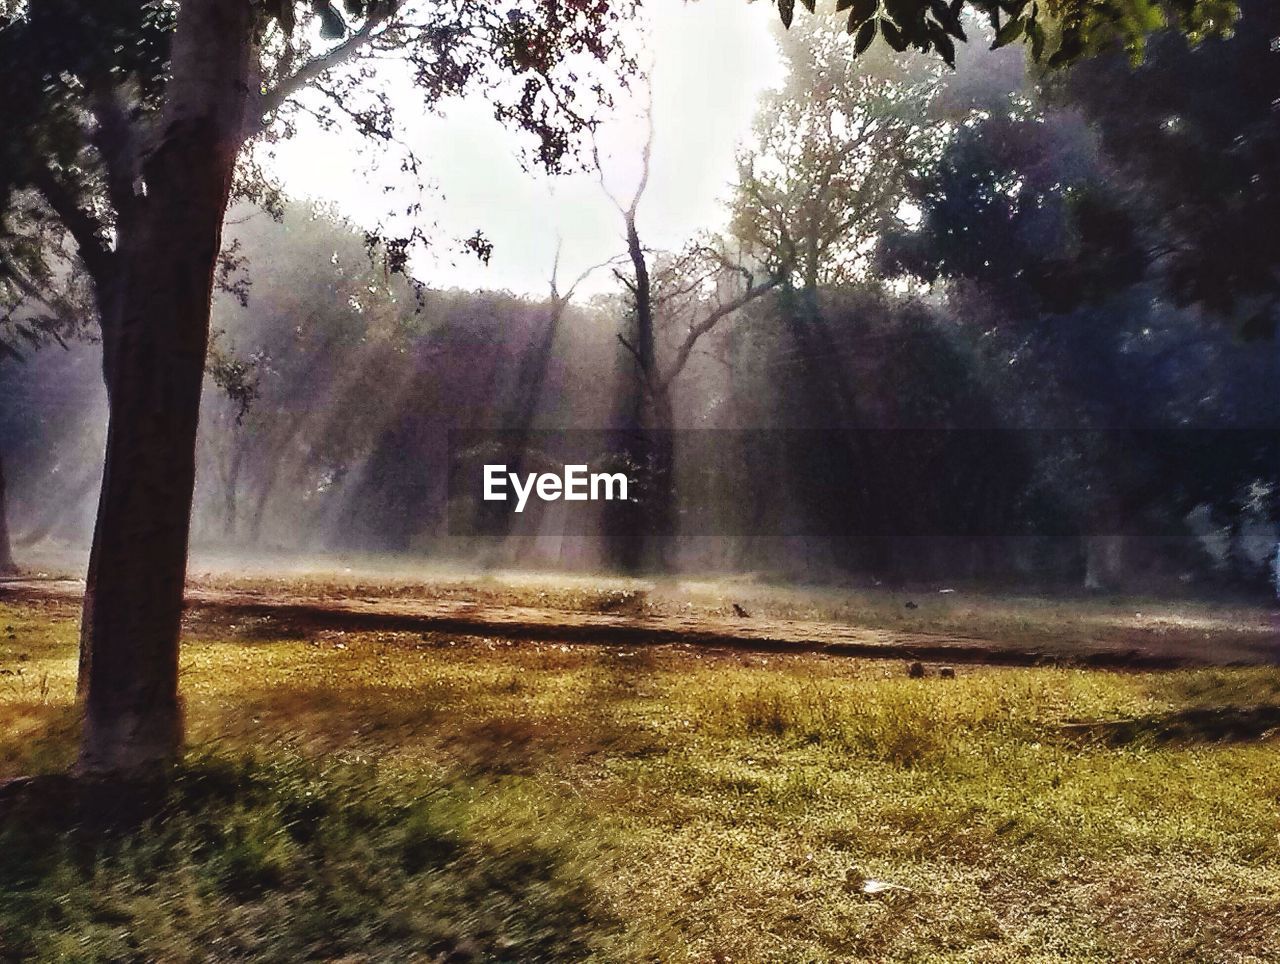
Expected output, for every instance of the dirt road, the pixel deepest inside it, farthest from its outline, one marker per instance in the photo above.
(295, 612)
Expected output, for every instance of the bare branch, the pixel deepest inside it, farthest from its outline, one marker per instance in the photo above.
(709, 322)
(634, 353)
(646, 155)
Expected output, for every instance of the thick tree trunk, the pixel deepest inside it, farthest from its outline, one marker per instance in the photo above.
(7, 565)
(155, 335)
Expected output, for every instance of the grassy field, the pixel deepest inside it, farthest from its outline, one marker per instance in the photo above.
(365, 796)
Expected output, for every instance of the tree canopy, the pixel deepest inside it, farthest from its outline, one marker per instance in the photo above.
(1057, 32)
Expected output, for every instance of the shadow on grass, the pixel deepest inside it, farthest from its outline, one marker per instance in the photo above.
(1217, 724)
(274, 858)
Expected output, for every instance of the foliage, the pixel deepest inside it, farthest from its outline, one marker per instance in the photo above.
(1193, 140)
(82, 84)
(832, 151)
(1057, 32)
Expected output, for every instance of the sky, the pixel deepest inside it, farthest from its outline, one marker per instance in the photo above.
(711, 60)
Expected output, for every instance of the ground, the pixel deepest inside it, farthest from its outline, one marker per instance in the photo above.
(419, 795)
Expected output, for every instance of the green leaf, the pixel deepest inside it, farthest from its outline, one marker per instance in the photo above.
(866, 34)
(1007, 34)
(809, 4)
(946, 46)
(1036, 33)
(893, 35)
(860, 11)
(786, 10)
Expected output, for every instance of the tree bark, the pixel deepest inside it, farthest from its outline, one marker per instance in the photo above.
(7, 565)
(155, 335)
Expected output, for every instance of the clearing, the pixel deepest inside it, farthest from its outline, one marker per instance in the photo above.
(369, 794)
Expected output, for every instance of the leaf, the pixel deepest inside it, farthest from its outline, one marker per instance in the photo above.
(1036, 32)
(332, 26)
(893, 35)
(1069, 50)
(860, 11)
(786, 10)
(946, 46)
(809, 4)
(1007, 34)
(947, 18)
(866, 34)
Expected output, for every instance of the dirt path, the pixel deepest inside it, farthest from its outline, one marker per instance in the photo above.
(746, 633)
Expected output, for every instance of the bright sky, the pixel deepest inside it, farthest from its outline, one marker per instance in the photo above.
(711, 60)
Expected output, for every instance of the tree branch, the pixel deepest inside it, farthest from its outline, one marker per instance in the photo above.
(315, 68)
(84, 228)
(709, 322)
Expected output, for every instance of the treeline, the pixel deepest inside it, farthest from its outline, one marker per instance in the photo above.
(969, 326)
(884, 435)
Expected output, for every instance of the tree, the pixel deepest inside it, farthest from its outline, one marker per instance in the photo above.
(310, 355)
(1051, 254)
(685, 296)
(1193, 141)
(7, 564)
(834, 150)
(129, 121)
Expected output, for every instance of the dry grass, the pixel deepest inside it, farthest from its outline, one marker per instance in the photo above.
(711, 807)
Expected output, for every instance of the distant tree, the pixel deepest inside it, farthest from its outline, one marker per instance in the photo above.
(825, 175)
(830, 157)
(43, 300)
(1051, 257)
(1194, 144)
(683, 297)
(312, 357)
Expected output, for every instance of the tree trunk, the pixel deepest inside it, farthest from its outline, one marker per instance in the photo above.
(155, 335)
(231, 492)
(7, 565)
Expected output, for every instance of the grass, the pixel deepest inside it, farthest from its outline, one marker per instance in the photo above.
(367, 796)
